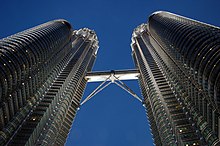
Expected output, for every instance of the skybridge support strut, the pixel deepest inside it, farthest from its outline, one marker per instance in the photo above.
(108, 77)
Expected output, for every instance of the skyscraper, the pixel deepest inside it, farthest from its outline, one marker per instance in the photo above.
(179, 63)
(42, 80)
(42, 74)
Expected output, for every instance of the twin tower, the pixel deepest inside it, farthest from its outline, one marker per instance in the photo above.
(43, 70)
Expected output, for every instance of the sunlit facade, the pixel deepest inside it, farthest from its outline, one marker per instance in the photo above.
(179, 63)
(42, 81)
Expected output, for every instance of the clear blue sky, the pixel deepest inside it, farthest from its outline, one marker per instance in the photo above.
(112, 118)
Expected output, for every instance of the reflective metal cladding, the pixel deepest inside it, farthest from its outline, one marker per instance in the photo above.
(42, 73)
(179, 65)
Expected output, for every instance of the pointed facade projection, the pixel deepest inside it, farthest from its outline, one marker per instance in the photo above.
(179, 63)
(42, 80)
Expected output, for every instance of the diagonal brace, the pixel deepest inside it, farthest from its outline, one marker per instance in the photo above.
(97, 90)
(126, 88)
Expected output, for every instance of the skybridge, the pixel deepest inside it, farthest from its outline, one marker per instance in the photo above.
(112, 77)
